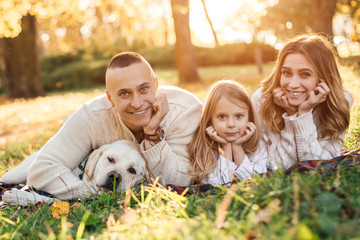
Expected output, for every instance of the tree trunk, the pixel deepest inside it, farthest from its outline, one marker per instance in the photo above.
(258, 58)
(322, 13)
(22, 66)
(185, 53)
(210, 23)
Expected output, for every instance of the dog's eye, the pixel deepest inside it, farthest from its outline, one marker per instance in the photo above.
(111, 159)
(131, 170)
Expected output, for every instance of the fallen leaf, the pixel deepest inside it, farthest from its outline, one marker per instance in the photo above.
(129, 217)
(60, 208)
(110, 221)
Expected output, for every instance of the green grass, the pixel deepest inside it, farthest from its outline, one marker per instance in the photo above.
(299, 206)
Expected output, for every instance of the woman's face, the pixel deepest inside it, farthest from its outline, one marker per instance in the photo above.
(298, 78)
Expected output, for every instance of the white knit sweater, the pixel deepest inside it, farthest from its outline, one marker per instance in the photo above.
(223, 174)
(96, 123)
(298, 140)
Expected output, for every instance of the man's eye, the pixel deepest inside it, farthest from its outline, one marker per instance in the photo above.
(144, 89)
(123, 94)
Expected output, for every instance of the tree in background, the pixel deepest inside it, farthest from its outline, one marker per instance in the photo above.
(22, 75)
(291, 17)
(321, 14)
(351, 8)
(210, 23)
(185, 53)
(21, 66)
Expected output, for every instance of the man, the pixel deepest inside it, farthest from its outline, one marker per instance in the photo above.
(160, 120)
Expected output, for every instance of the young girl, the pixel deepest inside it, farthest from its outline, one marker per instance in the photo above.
(302, 104)
(226, 142)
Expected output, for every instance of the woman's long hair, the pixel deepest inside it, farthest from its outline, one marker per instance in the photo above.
(334, 113)
(203, 151)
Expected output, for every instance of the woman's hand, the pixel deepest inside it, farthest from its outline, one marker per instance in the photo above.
(281, 100)
(316, 96)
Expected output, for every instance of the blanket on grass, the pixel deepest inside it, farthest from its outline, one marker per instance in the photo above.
(348, 159)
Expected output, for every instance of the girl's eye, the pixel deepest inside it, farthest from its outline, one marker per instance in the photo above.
(238, 116)
(221, 116)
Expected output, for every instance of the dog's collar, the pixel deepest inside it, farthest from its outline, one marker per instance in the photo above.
(82, 166)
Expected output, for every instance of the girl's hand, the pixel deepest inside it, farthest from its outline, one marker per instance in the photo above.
(316, 96)
(214, 136)
(281, 100)
(250, 129)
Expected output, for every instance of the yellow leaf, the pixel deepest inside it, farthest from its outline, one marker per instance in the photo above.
(60, 208)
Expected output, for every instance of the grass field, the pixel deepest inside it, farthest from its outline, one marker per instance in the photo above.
(299, 206)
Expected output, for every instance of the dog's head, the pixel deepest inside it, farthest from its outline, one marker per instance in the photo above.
(116, 166)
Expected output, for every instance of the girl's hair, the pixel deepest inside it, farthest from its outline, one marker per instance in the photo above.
(334, 113)
(203, 151)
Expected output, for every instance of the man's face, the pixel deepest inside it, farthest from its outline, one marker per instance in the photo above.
(132, 91)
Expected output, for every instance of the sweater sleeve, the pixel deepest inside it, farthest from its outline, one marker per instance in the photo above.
(52, 169)
(226, 169)
(169, 158)
(223, 173)
(307, 143)
(281, 147)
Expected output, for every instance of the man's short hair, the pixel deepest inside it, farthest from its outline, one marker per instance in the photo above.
(125, 59)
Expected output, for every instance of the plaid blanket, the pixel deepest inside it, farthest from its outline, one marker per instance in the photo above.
(347, 158)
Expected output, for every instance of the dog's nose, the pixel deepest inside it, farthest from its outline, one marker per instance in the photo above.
(115, 177)
(112, 181)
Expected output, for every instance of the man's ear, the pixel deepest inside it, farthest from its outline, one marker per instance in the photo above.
(156, 81)
(109, 97)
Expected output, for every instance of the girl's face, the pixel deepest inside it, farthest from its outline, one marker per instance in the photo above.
(298, 78)
(229, 119)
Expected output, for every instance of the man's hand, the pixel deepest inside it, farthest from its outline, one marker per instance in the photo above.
(250, 129)
(281, 100)
(160, 109)
(316, 96)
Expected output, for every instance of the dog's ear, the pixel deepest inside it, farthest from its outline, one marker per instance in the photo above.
(93, 159)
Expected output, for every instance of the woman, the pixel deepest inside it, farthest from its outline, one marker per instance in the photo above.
(302, 104)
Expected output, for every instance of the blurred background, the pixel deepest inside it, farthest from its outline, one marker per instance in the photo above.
(52, 45)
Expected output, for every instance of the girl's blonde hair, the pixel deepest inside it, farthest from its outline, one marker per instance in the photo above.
(334, 113)
(203, 151)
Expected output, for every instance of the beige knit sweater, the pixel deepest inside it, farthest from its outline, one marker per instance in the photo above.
(96, 123)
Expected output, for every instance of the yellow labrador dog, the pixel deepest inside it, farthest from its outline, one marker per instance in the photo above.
(119, 162)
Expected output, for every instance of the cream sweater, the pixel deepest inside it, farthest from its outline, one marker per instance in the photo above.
(298, 140)
(223, 174)
(96, 123)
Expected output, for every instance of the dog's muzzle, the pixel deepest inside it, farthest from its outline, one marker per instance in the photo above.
(112, 182)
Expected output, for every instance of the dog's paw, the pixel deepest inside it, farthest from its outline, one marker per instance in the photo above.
(23, 198)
